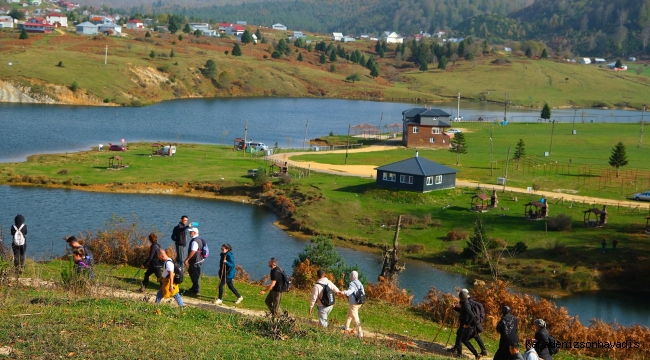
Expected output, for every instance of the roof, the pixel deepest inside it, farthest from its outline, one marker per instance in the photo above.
(418, 166)
(56, 15)
(337, 34)
(595, 211)
(536, 204)
(411, 113)
(87, 24)
(135, 21)
(481, 196)
(237, 28)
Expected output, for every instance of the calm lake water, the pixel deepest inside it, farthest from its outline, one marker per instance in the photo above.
(52, 214)
(32, 129)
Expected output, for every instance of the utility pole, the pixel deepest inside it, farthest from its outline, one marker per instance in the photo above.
(507, 161)
(505, 109)
(304, 139)
(348, 146)
(106, 56)
(575, 111)
(458, 109)
(642, 121)
(491, 142)
(552, 130)
(245, 134)
(380, 120)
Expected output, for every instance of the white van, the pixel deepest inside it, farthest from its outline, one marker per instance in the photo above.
(258, 145)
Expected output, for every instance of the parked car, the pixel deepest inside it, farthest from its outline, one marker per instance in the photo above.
(453, 131)
(165, 150)
(642, 196)
(252, 172)
(457, 118)
(115, 147)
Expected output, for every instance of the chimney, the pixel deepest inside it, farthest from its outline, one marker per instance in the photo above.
(416, 154)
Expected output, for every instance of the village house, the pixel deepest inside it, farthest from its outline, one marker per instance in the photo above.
(110, 29)
(58, 20)
(422, 127)
(87, 28)
(210, 32)
(224, 26)
(236, 30)
(425, 34)
(242, 23)
(298, 35)
(279, 27)
(585, 61)
(416, 174)
(439, 34)
(364, 37)
(599, 60)
(391, 38)
(417, 37)
(199, 26)
(347, 39)
(162, 28)
(98, 20)
(337, 36)
(37, 25)
(6, 22)
(135, 24)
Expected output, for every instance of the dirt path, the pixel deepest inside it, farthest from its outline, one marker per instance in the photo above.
(368, 171)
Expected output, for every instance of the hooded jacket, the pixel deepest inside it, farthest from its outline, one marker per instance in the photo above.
(507, 328)
(179, 234)
(19, 220)
(541, 345)
(230, 265)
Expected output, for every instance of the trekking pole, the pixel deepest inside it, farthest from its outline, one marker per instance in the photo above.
(444, 322)
(451, 329)
(136, 275)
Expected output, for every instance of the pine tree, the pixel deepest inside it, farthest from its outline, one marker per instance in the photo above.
(246, 37)
(171, 53)
(210, 69)
(486, 49)
(458, 146)
(180, 37)
(300, 57)
(618, 157)
(442, 64)
(529, 53)
(148, 34)
(152, 54)
(323, 58)
(378, 46)
(333, 56)
(362, 61)
(23, 35)
(546, 112)
(374, 72)
(187, 29)
(461, 49)
(236, 50)
(618, 64)
(544, 54)
(309, 48)
(258, 34)
(520, 151)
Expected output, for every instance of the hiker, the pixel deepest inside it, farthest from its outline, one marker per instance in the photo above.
(152, 264)
(353, 305)
(467, 329)
(74, 243)
(507, 328)
(194, 261)
(317, 297)
(461, 331)
(79, 257)
(167, 286)
(514, 352)
(19, 244)
(227, 273)
(530, 354)
(542, 339)
(179, 237)
(274, 298)
(603, 244)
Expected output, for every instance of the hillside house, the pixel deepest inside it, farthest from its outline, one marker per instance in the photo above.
(57, 19)
(585, 61)
(599, 60)
(224, 26)
(99, 20)
(612, 66)
(364, 37)
(337, 36)
(439, 34)
(298, 35)
(242, 23)
(416, 174)
(631, 58)
(417, 37)
(210, 32)
(199, 26)
(279, 27)
(162, 28)
(236, 30)
(6, 22)
(425, 34)
(87, 28)
(391, 38)
(110, 29)
(422, 127)
(37, 25)
(347, 39)
(135, 24)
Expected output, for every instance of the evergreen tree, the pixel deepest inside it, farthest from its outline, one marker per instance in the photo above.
(486, 49)
(300, 57)
(461, 49)
(378, 46)
(246, 37)
(544, 54)
(374, 72)
(198, 33)
(469, 56)
(323, 58)
(23, 35)
(442, 64)
(478, 243)
(529, 53)
(333, 56)
(458, 146)
(187, 29)
(173, 27)
(520, 151)
(362, 61)
(546, 112)
(236, 50)
(210, 69)
(180, 37)
(618, 64)
(384, 47)
(618, 157)
(258, 34)
(281, 46)
(382, 53)
(171, 53)
(424, 66)
(16, 14)
(370, 63)
(309, 48)
(148, 34)
(276, 54)
(152, 54)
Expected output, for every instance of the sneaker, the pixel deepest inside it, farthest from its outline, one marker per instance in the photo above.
(218, 302)
(360, 335)
(344, 328)
(484, 353)
(451, 349)
(239, 300)
(142, 288)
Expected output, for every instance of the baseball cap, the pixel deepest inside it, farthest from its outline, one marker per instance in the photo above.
(194, 230)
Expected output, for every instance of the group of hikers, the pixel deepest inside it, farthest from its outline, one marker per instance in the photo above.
(471, 317)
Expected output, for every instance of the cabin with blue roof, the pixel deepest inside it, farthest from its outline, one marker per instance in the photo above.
(416, 174)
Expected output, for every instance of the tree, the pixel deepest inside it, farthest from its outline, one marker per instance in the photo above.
(618, 157)
(333, 56)
(424, 66)
(486, 48)
(187, 29)
(171, 53)
(180, 37)
(148, 34)
(300, 58)
(321, 253)
(544, 54)
(322, 59)
(152, 54)
(374, 72)
(618, 64)
(258, 34)
(210, 69)
(236, 50)
(276, 54)
(310, 48)
(354, 77)
(198, 33)
(23, 35)
(16, 14)
(442, 64)
(529, 53)
(461, 49)
(520, 151)
(458, 146)
(74, 87)
(639, 70)
(546, 112)
(173, 28)
(246, 37)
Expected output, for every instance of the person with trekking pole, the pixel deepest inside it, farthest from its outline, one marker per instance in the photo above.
(507, 328)
(167, 287)
(467, 328)
(227, 273)
(19, 244)
(152, 264)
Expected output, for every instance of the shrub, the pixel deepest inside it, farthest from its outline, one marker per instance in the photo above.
(497, 244)
(74, 87)
(266, 186)
(260, 177)
(456, 234)
(60, 64)
(64, 172)
(285, 179)
(520, 247)
(414, 248)
(561, 222)
(388, 291)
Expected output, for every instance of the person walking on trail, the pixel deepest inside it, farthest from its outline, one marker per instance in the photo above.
(167, 287)
(317, 295)
(19, 244)
(227, 273)
(274, 297)
(179, 237)
(467, 328)
(514, 352)
(74, 243)
(530, 353)
(152, 264)
(507, 329)
(603, 244)
(353, 305)
(542, 340)
(478, 328)
(194, 261)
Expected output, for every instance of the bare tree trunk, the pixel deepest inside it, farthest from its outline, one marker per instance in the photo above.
(390, 268)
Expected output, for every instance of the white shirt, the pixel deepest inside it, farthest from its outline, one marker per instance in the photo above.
(194, 246)
(169, 267)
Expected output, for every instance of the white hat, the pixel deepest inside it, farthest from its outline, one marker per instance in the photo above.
(193, 229)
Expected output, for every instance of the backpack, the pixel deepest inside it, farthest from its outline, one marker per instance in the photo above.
(90, 259)
(360, 296)
(286, 282)
(19, 237)
(203, 251)
(178, 272)
(478, 310)
(327, 297)
(552, 345)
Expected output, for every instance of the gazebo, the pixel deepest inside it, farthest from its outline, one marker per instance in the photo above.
(115, 162)
(600, 220)
(540, 210)
(482, 207)
(155, 147)
(281, 169)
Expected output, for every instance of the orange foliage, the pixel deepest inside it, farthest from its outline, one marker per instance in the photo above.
(388, 291)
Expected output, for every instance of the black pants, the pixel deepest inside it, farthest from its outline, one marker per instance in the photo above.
(230, 286)
(195, 274)
(180, 250)
(152, 269)
(466, 335)
(477, 337)
(19, 257)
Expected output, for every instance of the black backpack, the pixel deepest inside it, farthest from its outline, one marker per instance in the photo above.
(360, 296)
(327, 297)
(286, 282)
(552, 345)
(478, 310)
(178, 272)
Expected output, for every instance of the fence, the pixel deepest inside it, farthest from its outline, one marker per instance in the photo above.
(580, 118)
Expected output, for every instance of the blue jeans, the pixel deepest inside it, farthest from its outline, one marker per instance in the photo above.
(179, 299)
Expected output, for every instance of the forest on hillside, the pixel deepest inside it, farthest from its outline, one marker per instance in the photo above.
(347, 16)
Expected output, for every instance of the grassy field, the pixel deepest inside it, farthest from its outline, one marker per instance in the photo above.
(132, 77)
